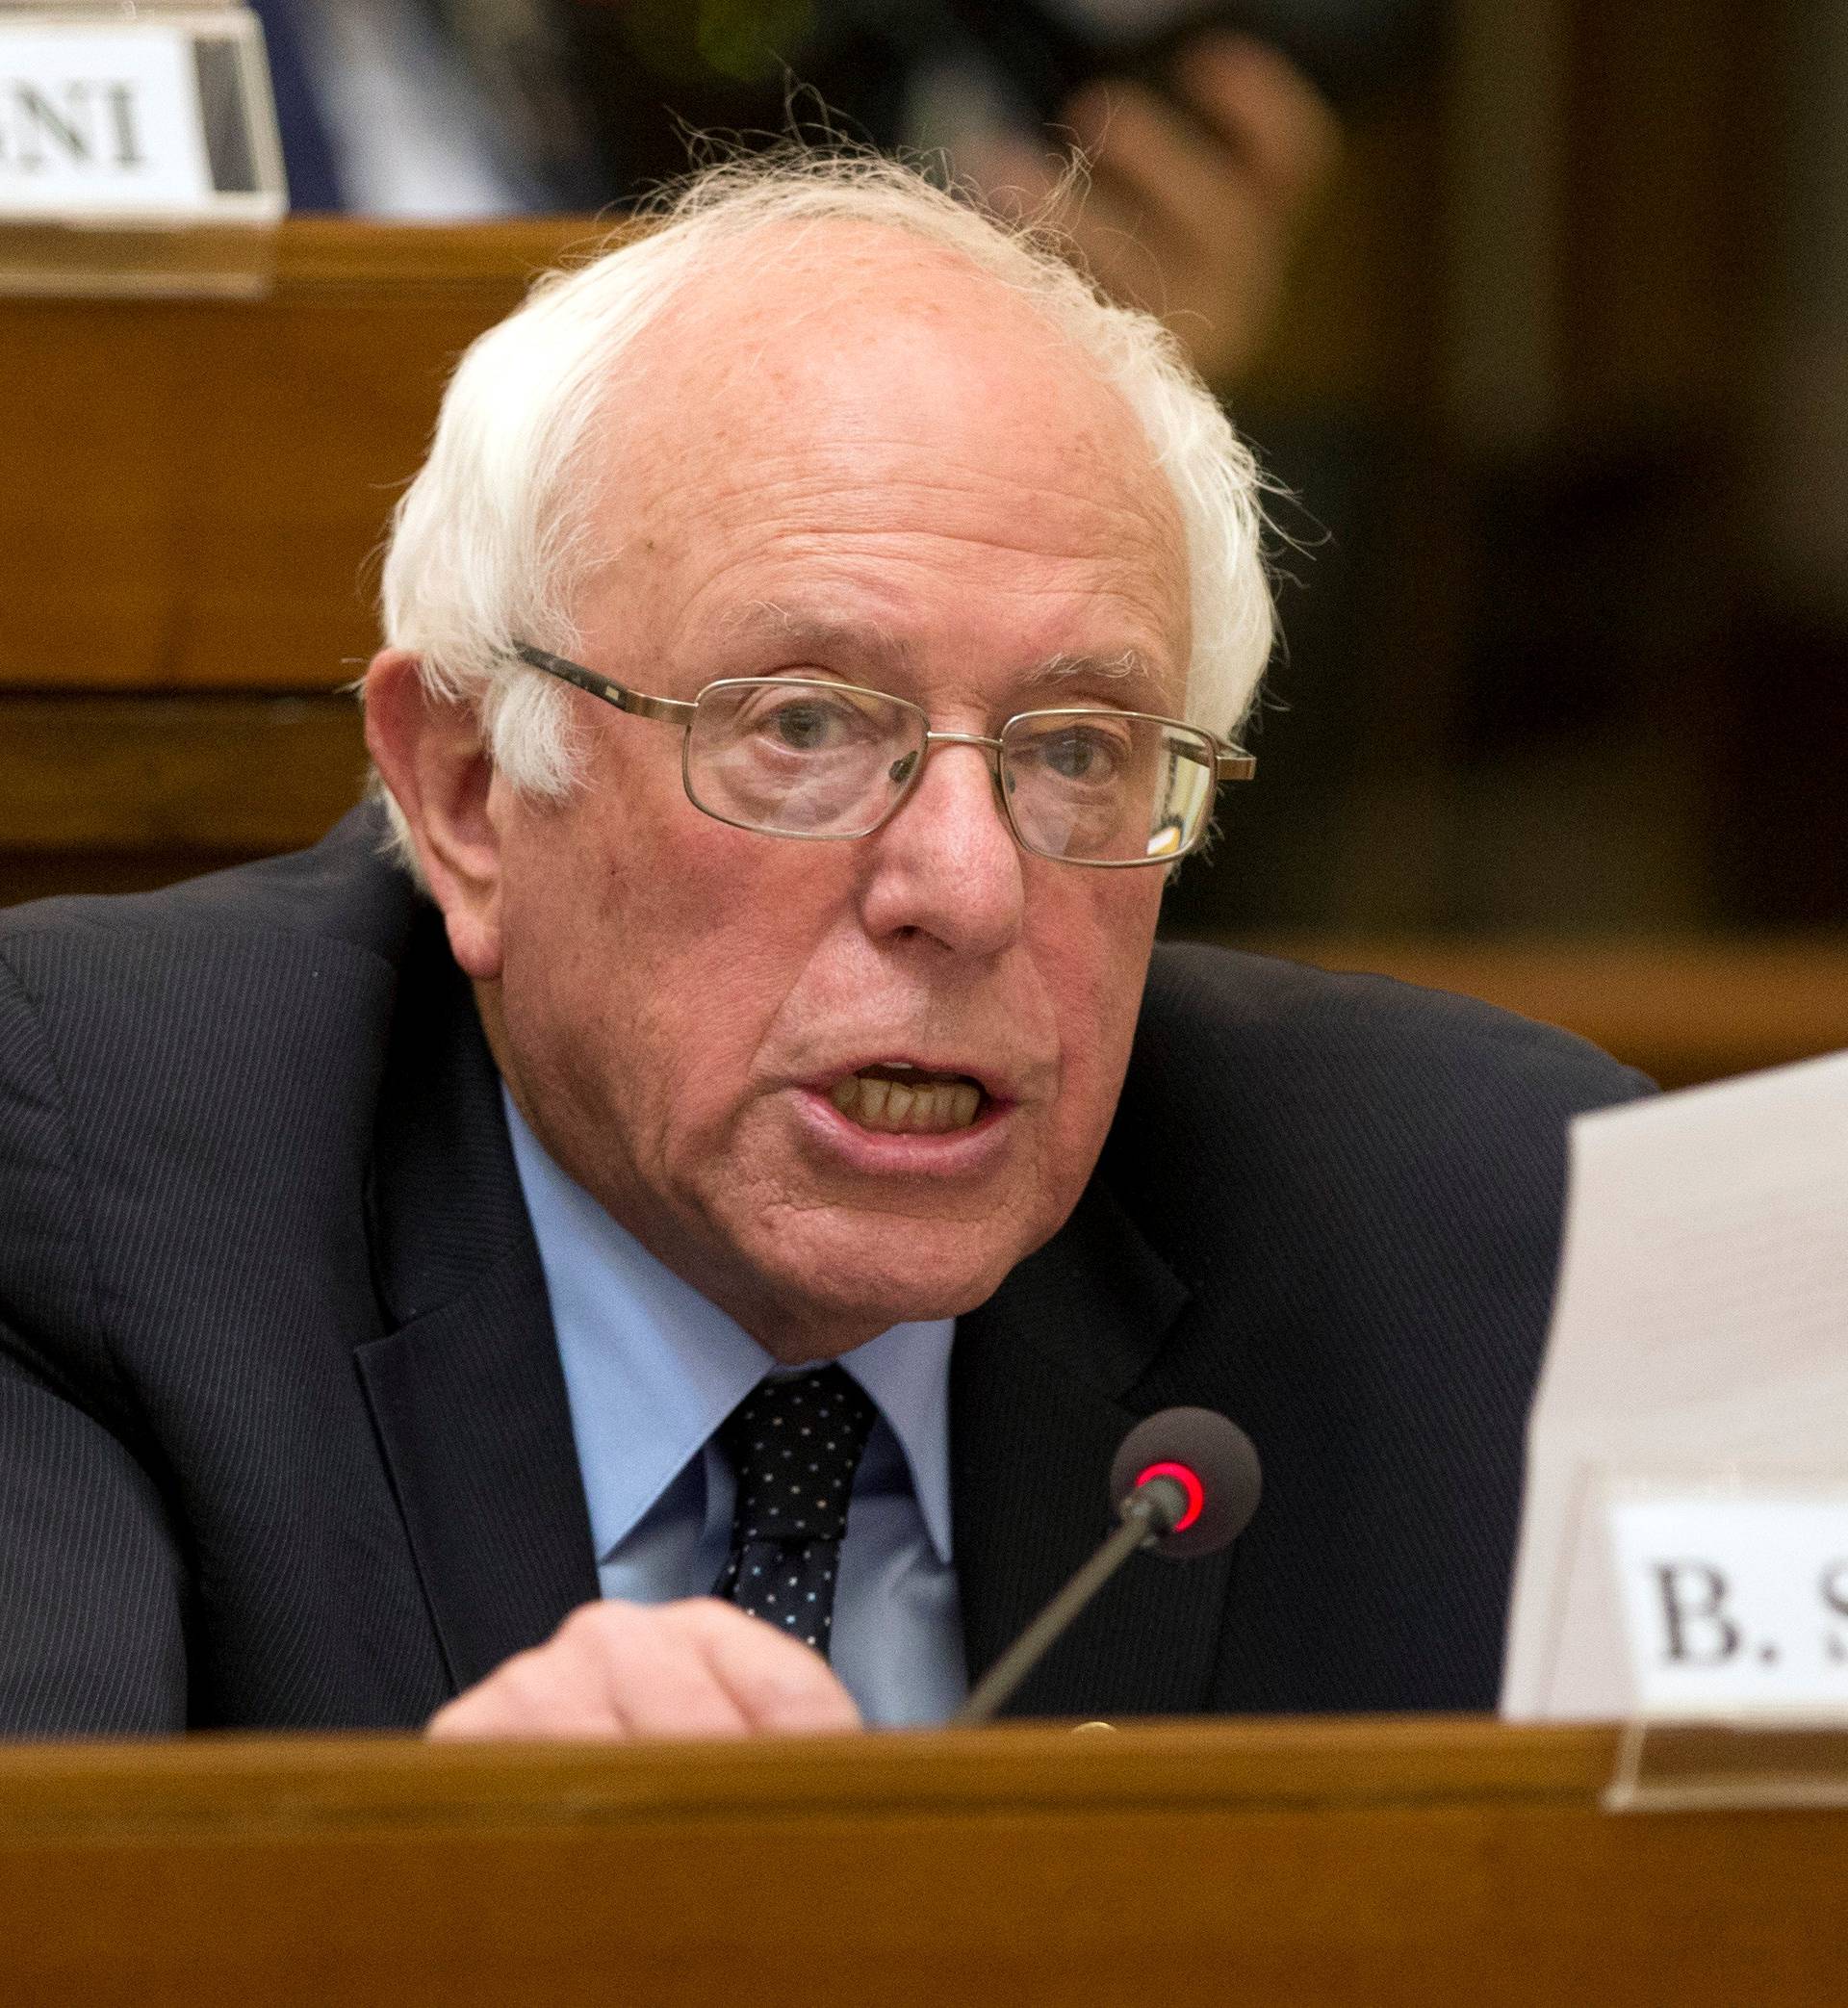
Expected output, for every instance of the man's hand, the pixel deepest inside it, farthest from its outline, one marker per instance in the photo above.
(615, 1671)
(1189, 214)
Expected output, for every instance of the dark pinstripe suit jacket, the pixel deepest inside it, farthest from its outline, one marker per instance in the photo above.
(283, 1436)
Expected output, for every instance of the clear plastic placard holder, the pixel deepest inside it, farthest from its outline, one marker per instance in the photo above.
(138, 150)
(1673, 1766)
(1707, 1610)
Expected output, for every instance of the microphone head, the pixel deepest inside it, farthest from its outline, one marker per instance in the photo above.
(1201, 1446)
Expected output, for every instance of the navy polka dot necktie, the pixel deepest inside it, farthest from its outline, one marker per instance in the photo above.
(795, 1442)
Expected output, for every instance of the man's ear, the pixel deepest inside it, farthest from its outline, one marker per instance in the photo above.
(429, 752)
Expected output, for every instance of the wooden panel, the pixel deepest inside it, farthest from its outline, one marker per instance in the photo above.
(1294, 1861)
(1682, 1010)
(1356, 325)
(54, 874)
(191, 494)
(1678, 137)
(232, 776)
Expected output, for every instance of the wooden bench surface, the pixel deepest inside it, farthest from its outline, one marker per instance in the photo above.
(1290, 1862)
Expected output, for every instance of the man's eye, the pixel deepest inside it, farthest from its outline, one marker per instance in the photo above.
(809, 722)
(806, 727)
(1082, 752)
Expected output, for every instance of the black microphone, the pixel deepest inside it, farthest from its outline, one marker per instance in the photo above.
(1184, 1482)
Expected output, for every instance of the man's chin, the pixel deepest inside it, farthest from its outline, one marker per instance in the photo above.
(848, 1286)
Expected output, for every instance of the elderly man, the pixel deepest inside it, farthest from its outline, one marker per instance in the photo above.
(674, 1250)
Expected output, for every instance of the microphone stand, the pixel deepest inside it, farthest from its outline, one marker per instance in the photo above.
(1148, 1513)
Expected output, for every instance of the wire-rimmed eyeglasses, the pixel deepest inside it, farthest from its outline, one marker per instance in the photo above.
(800, 756)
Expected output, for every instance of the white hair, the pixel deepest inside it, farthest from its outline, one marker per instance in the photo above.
(491, 542)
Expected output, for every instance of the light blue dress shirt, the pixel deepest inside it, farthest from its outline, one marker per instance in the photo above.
(651, 1369)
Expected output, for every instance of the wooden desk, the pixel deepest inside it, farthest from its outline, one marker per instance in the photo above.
(1333, 1862)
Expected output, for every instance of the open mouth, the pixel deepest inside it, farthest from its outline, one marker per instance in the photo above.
(904, 1100)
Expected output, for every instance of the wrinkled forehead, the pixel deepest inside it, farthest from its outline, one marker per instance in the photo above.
(817, 352)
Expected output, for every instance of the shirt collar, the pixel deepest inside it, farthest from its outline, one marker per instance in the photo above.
(907, 1372)
(651, 1368)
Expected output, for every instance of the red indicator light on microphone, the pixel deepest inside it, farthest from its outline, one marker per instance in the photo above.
(1187, 1482)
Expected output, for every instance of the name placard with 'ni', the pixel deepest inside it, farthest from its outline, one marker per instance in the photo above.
(141, 120)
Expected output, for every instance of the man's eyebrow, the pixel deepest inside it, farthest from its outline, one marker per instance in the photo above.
(817, 639)
(821, 641)
(1130, 673)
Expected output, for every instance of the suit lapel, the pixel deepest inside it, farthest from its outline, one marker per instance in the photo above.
(1042, 1389)
(467, 1393)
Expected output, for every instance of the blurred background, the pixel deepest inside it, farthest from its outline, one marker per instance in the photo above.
(1537, 310)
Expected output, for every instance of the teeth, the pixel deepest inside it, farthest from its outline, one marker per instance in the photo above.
(920, 1111)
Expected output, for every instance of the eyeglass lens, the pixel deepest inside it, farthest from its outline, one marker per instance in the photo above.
(826, 759)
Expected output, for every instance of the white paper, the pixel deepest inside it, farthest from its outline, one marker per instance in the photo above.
(1700, 1336)
(100, 122)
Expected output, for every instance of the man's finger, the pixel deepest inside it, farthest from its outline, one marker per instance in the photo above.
(1026, 182)
(697, 1669)
(703, 1668)
(776, 1684)
(1181, 181)
(1017, 179)
(650, 1672)
(1204, 202)
(533, 1694)
(1263, 106)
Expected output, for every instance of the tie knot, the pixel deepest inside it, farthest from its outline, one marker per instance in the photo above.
(795, 1442)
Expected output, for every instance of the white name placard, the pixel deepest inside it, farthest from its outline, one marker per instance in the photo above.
(136, 120)
(1734, 1605)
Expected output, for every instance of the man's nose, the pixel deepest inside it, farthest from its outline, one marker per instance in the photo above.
(946, 865)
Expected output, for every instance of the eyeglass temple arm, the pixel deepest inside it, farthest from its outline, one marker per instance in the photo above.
(670, 710)
(1230, 763)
